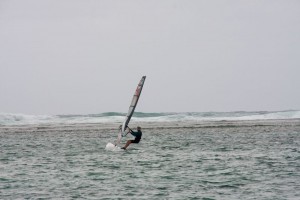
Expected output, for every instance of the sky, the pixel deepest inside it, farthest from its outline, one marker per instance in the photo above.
(87, 57)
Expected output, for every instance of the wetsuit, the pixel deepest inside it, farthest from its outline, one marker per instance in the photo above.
(138, 136)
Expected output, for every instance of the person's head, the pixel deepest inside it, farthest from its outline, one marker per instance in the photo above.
(138, 128)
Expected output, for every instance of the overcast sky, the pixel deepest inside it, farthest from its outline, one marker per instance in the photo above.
(81, 57)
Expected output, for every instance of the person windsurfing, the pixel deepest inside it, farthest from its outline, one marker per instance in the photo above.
(137, 134)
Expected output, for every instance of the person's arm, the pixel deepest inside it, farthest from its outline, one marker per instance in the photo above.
(133, 133)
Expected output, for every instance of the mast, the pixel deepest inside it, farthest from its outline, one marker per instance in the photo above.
(133, 104)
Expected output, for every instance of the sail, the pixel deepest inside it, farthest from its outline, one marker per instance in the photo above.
(133, 104)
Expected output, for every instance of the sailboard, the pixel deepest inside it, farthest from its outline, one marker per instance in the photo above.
(129, 114)
(133, 104)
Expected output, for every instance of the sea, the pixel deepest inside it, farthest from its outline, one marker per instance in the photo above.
(192, 155)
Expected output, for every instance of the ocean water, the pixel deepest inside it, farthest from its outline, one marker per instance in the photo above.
(237, 155)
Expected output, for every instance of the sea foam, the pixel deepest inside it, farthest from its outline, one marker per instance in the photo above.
(116, 117)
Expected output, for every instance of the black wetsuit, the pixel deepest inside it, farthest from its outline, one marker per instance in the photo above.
(138, 136)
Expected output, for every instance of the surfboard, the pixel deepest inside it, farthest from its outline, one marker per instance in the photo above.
(112, 147)
(129, 114)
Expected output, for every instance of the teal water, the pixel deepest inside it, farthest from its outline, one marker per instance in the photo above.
(256, 161)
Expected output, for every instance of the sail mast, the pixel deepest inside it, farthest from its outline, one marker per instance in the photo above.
(133, 104)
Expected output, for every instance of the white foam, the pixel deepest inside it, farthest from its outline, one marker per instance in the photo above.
(21, 119)
(112, 147)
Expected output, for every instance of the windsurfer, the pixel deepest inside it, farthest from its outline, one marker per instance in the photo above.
(137, 134)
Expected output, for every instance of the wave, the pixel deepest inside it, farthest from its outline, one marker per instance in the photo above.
(7, 119)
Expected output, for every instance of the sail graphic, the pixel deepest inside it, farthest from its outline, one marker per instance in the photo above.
(133, 104)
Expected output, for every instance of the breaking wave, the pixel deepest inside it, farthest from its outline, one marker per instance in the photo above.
(117, 117)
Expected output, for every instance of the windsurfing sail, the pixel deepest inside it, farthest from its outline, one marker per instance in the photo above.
(133, 104)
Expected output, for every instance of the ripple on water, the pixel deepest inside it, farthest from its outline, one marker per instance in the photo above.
(199, 163)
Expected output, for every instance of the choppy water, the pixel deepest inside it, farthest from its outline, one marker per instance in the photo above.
(218, 160)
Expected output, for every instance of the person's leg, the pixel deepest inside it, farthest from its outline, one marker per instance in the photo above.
(127, 144)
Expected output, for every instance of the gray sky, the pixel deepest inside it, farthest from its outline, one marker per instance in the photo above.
(80, 57)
